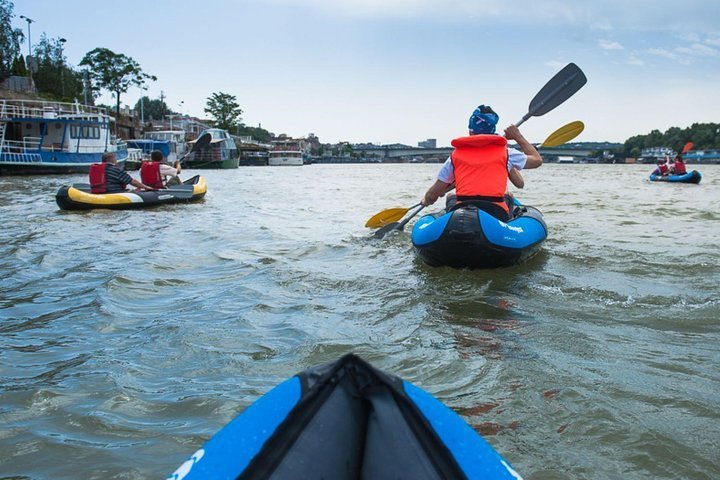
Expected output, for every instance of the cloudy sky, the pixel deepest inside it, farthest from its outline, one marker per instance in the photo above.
(386, 71)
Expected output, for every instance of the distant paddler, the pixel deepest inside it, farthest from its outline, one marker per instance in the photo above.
(157, 174)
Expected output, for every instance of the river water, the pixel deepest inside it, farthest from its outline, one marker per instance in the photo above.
(127, 339)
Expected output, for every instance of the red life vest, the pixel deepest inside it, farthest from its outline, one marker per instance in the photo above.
(663, 169)
(150, 175)
(480, 165)
(679, 168)
(97, 178)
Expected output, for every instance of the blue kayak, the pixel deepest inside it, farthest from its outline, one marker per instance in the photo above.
(689, 177)
(346, 420)
(469, 237)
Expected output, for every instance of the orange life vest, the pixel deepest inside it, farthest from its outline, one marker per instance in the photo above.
(150, 175)
(97, 178)
(679, 168)
(480, 165)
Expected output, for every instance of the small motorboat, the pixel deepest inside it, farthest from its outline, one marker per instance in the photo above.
(346, 420)
(689, 177)
(468, 237)
(79, 197)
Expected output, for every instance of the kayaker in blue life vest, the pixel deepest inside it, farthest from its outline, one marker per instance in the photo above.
(481, 165)
(107, 177)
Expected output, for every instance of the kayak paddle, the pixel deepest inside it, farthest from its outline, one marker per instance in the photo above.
(564, 134)
(397, 225)
(561, 87)
(388, 216)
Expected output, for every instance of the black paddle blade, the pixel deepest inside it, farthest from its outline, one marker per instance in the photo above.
(561, 87)
(397, 225)
(386, 229)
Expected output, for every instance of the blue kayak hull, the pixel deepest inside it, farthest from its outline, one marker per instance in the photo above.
(472, 238)
(346, 420)
(690, 177)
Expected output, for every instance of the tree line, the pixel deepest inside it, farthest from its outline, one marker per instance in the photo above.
(705, 136)
(104, 70)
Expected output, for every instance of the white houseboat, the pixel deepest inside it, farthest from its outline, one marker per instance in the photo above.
(54, 137)
(286, 151)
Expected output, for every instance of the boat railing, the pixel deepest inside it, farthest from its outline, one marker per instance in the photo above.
(13, 146)
(32, 144)
(42, 109)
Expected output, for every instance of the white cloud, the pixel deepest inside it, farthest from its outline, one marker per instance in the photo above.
(633, 60)
(661, 52)
(713, 41)
(556, 65)
(698, 50)
(690, 37)
(642, 15)
(610, 45)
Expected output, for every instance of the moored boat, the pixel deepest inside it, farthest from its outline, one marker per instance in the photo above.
(690, 177)
(79, 197)
(54, 137)
(469, 237)
(346, 420)
(170, 142)
(286, 152)
(134, 159)
(221, 153)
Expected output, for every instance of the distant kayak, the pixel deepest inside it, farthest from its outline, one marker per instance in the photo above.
(78, 196)
(472, 238)
(689, 177)
(346, 420)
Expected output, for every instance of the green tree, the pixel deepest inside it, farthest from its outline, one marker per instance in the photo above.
(9, 39)
(54, 78)
(257, 133)
(705, 136)
(153, 108)
(114, 72)
(18, 67)
(225, 111)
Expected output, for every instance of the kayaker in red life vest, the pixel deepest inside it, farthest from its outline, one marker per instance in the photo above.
(481, 165)
(107, 177)
(663, 167)
(678, 166)
(155, 172)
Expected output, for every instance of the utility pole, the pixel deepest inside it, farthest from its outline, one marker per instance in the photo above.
(29, 57)
(62, 66)
(86, 87)
(29, 21)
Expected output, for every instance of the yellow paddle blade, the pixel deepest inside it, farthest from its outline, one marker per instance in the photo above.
(386, 216)
(564, 134)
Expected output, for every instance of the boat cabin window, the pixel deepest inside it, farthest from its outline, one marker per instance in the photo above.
(84, 131)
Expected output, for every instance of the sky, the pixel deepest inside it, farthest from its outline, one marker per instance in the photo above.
(403, 71)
